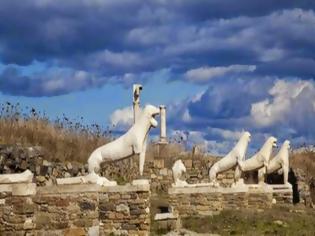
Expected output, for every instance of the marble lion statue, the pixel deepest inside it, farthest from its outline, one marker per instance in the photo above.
(280, 162)
(131, 143)
(260, 159)
(178, 170)
(231, 159)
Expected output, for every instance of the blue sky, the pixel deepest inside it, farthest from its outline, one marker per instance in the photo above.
(221, 67)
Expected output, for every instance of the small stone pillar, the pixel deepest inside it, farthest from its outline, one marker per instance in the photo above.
(163, 138)
(136, 101)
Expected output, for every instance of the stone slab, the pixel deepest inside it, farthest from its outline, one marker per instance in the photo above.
(206, 188)
(259, 188)
(5, 188)
(140, 182)
(165, 216)
(24, 177)
(21, 189)
(78, 188)
(24, 189)
(70, 180)
(281, 187)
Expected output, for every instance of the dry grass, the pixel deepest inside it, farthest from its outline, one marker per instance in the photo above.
(304, 161)
(276, 221)
(62, 139)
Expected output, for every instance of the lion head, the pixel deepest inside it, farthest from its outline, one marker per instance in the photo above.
(287, 144)
(246, 135)
(150, 112)
(273, 141)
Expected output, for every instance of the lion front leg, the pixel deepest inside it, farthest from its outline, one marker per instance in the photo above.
(285, 169)
(261, 175)
(137, 148)
(142, 157)
(237, 174)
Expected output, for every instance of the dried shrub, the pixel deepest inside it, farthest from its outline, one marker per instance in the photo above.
(62, 138)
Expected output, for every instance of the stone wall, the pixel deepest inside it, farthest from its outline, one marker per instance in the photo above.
(84, 209)
(16, 158)
(206, 200)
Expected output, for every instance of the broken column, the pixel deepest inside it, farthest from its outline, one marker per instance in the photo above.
(136, 101)
(163, 138)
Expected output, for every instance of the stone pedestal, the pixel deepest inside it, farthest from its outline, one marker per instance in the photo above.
(283, 194)
(204, 199)
(75, 209)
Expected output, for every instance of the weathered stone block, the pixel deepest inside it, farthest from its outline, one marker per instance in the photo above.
(75, 232)
(87, 206)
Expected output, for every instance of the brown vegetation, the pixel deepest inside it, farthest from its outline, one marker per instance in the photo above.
(62, 139)
(304, 161)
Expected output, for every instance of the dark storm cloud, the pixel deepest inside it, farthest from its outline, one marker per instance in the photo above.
(282, 107)
(115, 39)
(51, 83)
(297, 67)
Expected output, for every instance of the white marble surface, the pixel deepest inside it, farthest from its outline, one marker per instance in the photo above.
(24, 177)
(178, 170)
(231, 159)
(132, 142)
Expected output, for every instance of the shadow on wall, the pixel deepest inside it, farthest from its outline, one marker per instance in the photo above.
(275, 178)
(293, 180)
(312, 190)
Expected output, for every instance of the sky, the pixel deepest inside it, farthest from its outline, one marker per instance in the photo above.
(220, 66)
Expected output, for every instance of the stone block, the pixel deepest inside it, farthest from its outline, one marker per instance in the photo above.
(74, 232)
(164, 172)
(24, 189)
(87, 206)
(159, 163)
(122, 208)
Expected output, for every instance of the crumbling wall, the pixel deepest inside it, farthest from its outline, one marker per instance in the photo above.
(206, 200)
(74, 210)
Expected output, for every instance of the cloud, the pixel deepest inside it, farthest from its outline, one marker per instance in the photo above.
(262, 51)
(203, 74)
(291, 106)
(229, 99)
(54, 81)
(197, 40)
(122, 118)
(265, 106)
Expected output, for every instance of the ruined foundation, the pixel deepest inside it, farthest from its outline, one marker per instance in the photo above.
(84, 209)
(199, 200)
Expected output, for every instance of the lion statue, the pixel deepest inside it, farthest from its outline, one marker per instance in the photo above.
(178, 170)
(280, 162)
(260, 159)
(131, 143)
(231, 159)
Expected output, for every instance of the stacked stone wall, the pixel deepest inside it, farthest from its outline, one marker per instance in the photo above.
(75, 210)
(206, 200)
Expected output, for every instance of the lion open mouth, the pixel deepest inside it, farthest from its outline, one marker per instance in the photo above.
(154, 122)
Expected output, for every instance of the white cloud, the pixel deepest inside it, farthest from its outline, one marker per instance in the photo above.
(186, 116)
(197, 138)
(123, 118)
(120, 60)
(225, 133)
(292, 103)
(203, 74)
